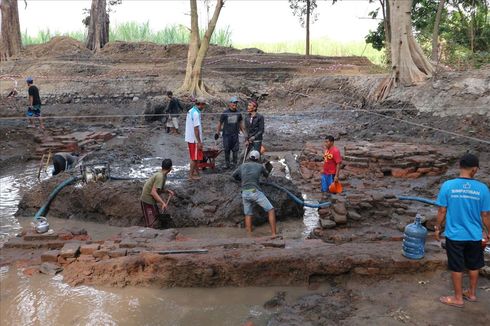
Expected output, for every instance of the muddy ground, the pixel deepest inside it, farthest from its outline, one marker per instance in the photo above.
(302, 100)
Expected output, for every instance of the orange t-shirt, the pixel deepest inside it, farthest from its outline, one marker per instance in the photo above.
(331, 158)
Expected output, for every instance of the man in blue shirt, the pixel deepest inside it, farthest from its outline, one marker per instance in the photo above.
(464, 206)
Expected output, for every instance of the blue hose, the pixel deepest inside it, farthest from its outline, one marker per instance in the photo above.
(42, 211)
(296, 199)
(419, 199)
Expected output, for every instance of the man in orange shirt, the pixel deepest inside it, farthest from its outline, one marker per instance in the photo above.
(331, 163)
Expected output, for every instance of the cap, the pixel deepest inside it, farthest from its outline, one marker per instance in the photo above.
(254, 155)
(201, 100)
(234, 99)
(254, 103)
(29, 80)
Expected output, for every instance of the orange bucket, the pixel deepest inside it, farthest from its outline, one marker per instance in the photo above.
(335, 187)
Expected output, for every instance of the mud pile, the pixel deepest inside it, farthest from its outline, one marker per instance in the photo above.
(58, 46)
(214, 201)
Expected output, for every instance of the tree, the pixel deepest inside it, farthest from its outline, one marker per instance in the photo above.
(98, 26)
(435, 33)
(198, 48)
(10, 40)
(304, 10)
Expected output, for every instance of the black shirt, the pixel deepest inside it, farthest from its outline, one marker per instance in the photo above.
(174, 106)
(255, 126)
(231, 122)
(34, 92)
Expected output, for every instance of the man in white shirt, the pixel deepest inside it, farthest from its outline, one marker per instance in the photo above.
(193, 137)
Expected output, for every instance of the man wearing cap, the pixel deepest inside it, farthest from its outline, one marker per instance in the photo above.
(193, 137)
(232, 122)
(249, 173)
(34, 108)
(464, 206)
(254, 127)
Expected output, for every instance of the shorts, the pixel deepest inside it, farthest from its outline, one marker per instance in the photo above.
(464, 254)
(172, 122)
(231, 143)
(35, 111)
(249, 197)
(195, 153)
(327, 180)
(150, 213)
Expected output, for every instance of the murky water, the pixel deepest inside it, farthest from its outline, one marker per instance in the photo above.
(46, 300)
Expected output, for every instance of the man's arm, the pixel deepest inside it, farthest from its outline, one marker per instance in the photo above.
(156, 196)
(218, 130)
(441, 217)
(261, 127)
(485, 216)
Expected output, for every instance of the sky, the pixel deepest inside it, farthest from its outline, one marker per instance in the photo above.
(249, 20)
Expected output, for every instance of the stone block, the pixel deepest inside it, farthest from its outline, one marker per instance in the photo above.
(50, 268)
(413, 175)
(34, 236)
(118, 253)
(70, 250)
(353, 215)
(89, 249)
(128, 243)
(86, 258)
(101, 252)
(339, 208)
(327, 223)
(50, 256)
(339, 218)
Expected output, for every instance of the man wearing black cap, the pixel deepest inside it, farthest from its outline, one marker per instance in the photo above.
(232, 122)
(464, 206)
(254, 127)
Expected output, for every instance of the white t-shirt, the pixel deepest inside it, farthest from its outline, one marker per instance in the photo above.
(192, 120)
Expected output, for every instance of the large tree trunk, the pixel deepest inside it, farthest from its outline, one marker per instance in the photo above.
(435, 33)
(98, 28)
(385, 6)
(10, 40)
(410, 66)
(307, 27)
(193, 82)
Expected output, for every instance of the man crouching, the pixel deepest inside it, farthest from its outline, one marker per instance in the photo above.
(249, 173)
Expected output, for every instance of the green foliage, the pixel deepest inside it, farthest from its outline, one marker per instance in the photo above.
(299, 8)
(45, 35)
(323, 46)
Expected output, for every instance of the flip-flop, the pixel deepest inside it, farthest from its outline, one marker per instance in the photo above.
(450, 302)
(468, 298)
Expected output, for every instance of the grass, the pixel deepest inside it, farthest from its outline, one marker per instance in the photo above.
(322, 46)
(179, 34)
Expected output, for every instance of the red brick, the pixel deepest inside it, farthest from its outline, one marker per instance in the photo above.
(50, 256)
(89, 249)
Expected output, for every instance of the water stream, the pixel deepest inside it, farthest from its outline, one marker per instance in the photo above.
(47, 300)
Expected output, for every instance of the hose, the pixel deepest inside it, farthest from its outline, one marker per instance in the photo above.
(296, 199)
(42, 211)
(419, 199)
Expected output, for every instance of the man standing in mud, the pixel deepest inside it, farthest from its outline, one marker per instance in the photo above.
(331, 163)
(249, 173)
(34, 108)
(464, 206)
(232, 122)
(193, 137)
(254, 127)
(151, 194)
(173, 109)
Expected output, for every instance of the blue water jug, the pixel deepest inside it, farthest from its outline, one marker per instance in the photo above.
(414, 239)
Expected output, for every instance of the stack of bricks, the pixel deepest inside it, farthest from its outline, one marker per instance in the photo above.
(71, 142)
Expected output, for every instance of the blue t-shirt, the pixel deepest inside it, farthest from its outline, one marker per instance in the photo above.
(465, 199)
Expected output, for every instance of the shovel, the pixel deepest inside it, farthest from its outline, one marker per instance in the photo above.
(163, 217)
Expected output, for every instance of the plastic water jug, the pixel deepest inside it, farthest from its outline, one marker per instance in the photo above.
(414, 239)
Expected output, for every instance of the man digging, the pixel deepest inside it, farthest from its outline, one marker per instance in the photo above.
(249, 173)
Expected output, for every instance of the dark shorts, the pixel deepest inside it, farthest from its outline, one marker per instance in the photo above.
(59, 164)
(150, 214)
(35, 111)
(231, 143)
(464, 254)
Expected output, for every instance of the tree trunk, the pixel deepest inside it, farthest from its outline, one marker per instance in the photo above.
(435, 33)
(307, 28)
(193, 82)
(385, 6)
(410, 66)
(98, 29)
(10, 40)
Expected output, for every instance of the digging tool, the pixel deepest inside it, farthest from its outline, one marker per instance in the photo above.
(245, 153)
(162, 216)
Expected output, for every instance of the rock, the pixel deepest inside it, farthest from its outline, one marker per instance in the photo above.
(353, 215)
(50, 256)
(485, 271)
(70, 250)
(135, 99)
(89, 249)
(339, 218)
(50, 268)
(118, 253)
(339, 208)
(327, 223)
(277, 300)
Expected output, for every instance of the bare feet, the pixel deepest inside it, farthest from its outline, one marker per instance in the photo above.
(468, 297)
(194, 177)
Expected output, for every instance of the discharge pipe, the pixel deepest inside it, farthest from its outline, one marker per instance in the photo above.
(42, 211)
(296, 199)
(419, 199)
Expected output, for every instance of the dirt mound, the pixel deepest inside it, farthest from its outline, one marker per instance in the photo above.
(58, 46)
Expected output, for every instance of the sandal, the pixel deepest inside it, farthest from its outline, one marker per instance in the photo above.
(467, 297)
(450, 302)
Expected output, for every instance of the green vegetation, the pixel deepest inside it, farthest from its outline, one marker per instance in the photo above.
(323, 46)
